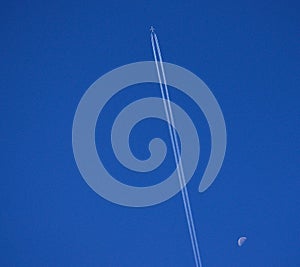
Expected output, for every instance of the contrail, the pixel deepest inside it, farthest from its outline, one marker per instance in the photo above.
(175, 146)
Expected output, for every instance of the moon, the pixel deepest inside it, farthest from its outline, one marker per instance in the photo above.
(241, 240)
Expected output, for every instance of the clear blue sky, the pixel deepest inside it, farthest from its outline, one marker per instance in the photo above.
(247, 52)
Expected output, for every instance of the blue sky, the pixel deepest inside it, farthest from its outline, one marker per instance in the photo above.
(247, 52)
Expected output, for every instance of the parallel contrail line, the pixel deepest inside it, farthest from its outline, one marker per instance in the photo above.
(175, 146)
(174, 150)
(176, 155)
(185, 192)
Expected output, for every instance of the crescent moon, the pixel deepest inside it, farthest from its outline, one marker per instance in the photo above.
(241, 240)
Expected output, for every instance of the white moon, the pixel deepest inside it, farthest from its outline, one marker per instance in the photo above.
(242, 240)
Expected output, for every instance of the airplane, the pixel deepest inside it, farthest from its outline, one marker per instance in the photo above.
(152, 29)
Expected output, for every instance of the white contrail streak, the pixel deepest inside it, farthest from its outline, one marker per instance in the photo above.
(175, 146)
